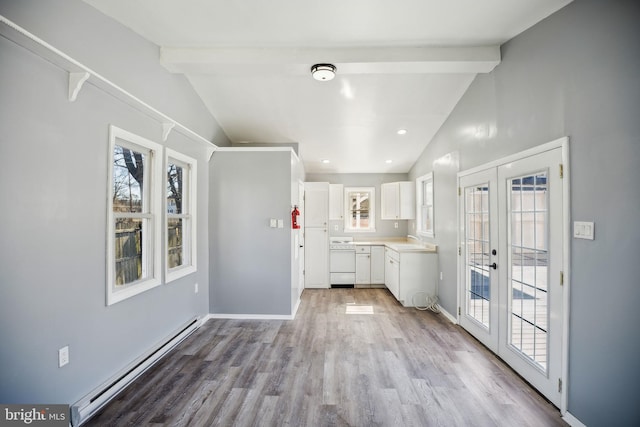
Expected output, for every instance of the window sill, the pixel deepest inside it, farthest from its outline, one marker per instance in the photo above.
(430, 235)
(134, 289)
(179, 272)
(355, 230)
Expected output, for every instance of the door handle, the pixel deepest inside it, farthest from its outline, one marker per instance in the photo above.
(494, 266)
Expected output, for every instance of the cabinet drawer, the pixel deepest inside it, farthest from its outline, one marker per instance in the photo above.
(363, 249)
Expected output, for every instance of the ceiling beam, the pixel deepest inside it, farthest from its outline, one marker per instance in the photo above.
(368, 60)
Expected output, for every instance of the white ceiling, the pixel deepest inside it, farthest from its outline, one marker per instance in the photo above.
(401, 65)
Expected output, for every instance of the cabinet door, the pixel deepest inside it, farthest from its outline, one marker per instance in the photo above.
(363, 269)
(336, 201)
(316, 258)
(407, 200)
(377, 265)
(389, 200)
(392, 276)
(316, 204)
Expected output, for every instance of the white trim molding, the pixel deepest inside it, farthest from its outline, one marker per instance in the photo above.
(572, 421)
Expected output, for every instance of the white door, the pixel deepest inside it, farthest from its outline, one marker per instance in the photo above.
(531, 316)
(511, 299)
(316, 245)
(478, 250)
(301, 235)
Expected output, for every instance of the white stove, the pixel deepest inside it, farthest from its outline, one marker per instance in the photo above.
(341, 243)
(342, 262)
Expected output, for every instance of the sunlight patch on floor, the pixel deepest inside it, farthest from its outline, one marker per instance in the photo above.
(359, 309)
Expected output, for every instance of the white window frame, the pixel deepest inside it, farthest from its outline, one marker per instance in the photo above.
(420, 227)
(189, 204)
(152, 238)
(372, 210)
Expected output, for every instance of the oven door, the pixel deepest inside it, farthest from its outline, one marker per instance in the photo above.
(342, 261)
(342, 267)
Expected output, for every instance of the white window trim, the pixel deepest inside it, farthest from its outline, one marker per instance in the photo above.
(175, 273)
(372, 210)
(419, 182)
(153, 241)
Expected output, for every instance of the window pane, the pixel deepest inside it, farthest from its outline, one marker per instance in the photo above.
(175, 241)
(359, 209)
(174, 189)
(128, 250)
(128, 175)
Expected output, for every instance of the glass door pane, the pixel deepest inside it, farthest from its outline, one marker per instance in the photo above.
(477, 292)
(528, 262)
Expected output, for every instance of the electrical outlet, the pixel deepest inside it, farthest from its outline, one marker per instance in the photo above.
(335, 227)
(63, 356)
(195, 288)
(395, 225)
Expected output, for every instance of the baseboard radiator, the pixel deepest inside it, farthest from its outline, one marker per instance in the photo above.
(86, 407)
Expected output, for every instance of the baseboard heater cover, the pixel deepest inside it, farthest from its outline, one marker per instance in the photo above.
(86, 407)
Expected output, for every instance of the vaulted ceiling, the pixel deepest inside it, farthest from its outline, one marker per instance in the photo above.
(400, 65)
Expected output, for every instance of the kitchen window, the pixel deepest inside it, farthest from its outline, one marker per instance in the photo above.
(360, 208)
(424, 204)
(133, 239)
(180, 225)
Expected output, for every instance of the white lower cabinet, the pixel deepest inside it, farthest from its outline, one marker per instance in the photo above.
(377, 265)
(411, 276)
(316, 258)
(363, 269)
(392, 272)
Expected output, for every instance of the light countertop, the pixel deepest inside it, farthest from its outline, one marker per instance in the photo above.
(399, 244)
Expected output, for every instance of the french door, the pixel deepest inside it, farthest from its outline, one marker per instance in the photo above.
(511, 258)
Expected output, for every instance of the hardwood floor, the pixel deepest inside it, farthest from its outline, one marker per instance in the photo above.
(395, 367)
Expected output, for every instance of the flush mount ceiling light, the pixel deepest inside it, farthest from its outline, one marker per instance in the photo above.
(325, 161)
(402, 131)
(323, 72)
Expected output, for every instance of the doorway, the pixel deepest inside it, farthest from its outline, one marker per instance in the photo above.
(513, 252)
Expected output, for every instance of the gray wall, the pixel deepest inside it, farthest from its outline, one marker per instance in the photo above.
(576, 74)
(54, 208)
(384, 228)
(250, 262)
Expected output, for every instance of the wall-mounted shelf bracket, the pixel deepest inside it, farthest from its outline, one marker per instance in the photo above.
(76, 80)
(166, 129)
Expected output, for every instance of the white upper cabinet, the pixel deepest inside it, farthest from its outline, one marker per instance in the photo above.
(398, 200)
(336, 201)
(316, 204)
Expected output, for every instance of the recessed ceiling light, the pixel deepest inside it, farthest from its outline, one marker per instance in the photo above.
(402, 131)
(388, 161)
(326, 161)
(323, 72)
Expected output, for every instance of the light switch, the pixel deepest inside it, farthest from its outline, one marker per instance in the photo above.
(273, 223)
(280, 223)
(583, 230)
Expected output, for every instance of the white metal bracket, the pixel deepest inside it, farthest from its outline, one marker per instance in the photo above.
(76, 80)
(166, 129)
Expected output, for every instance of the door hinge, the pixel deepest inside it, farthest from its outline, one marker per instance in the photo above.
(561, 278)
(561, 170)
(459, 191)
(559, 385)
(459, 311)
(459, 251)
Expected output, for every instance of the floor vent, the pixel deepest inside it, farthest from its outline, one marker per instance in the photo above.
(85, 408)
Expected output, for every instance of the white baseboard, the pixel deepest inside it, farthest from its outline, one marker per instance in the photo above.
(251, 316)
(295, 309)
(572, 421)
(448, 315)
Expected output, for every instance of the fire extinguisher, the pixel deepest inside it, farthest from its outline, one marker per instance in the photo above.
(294, 217)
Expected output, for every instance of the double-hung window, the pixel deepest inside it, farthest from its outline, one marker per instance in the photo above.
(134, 228)
(424, 199)
(180, 215)
(360, 209)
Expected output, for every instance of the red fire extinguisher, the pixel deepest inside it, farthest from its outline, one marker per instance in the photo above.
(294, 217)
